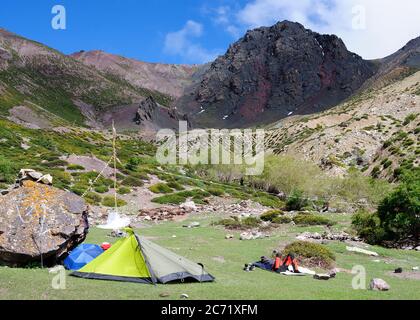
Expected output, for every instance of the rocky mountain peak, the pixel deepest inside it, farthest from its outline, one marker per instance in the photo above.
(273, 72)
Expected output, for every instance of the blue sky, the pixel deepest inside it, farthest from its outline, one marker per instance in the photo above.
(196, 31)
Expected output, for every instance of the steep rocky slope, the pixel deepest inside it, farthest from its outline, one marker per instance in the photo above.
(272, 73)
(376, 131)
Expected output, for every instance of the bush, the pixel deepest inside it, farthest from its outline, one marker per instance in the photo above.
(229, 223)
(311, 254)
(251, 222)
(101, 189)
(110, 202)
(399, 212)
(132, 182)
(282, 220)
(368, 226)
(93, 198)
(269, 201)
(312, 220)
(75, 167)
(170, 199)
(296, 201)
(271, 215)
(175, 185)
(160, 188)
(124, 190)
(218, 192)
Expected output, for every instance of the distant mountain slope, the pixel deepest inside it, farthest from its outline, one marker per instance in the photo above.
(376, 131)
(396, 66)
(166, 78)
(58, 84)
(272, 73)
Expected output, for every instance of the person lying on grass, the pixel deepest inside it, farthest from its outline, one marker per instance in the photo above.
(278, 265)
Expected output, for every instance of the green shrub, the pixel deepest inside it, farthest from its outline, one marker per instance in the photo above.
(93, 198)
(399, 212)
(132, 182)
(170, 199)
(175, 185)
(160, 188)
(124, 190)
(296, 201)
(110, 202)
(271, 215)
(368, 227)
(311, 254)
(251, 222)
(409, 119)
(312, 220)
(102, 189)
(269, 201)
(75, 167)
(229, 223)
(282, 220)
(218, 192)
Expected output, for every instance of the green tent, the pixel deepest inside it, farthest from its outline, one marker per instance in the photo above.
(135, 259)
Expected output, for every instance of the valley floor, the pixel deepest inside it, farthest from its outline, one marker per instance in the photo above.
(225, 259)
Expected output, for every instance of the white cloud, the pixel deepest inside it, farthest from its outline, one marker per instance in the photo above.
(390, 24)
(225, 17)
(182, 43)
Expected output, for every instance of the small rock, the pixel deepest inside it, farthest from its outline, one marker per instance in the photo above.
(322, 277)
(229, 236)
(398, 270)
(359, 250)
(415, 268)
(192, 225)
(379, 285)
(184, 296)
(174, 236)
(164, 295)
(417, 249)
(190, 205)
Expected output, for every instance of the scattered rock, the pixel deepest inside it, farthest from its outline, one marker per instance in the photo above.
(192, 225)
(39, 221)
(322, 277)
(379, 285)
(189, 205)
(184, 296)
(164, 295)
(163, 214)
(229, 236)
(399, 270)
(327, 236)
(417, 248)
(360, 250)
(253, 235)
(415, 268)
(29, 174)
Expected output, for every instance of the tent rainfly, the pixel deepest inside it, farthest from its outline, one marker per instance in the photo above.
(135, 259)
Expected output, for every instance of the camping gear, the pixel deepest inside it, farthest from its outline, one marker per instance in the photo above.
(105, 246)
(82, 255)
(136, 259)
(115, 221)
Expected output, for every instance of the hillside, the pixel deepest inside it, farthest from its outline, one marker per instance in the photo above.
(166, 78)
(57, 87)
(376, 131)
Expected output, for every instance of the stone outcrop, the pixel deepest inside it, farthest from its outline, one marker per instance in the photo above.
(39, 223)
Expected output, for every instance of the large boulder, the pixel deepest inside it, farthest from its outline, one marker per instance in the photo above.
(39, 222)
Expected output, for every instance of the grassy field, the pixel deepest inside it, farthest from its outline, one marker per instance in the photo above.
(225, 259)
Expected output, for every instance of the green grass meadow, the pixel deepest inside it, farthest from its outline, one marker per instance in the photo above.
(224, 259)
